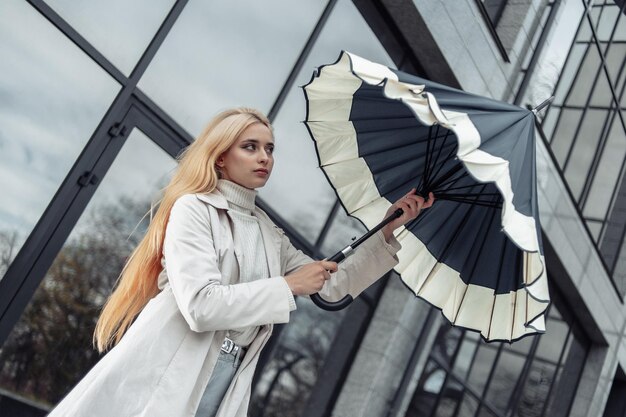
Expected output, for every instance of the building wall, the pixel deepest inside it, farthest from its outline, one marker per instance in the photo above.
(473, 57)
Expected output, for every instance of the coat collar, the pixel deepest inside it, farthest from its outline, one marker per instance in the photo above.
(271, 239)
(215, 199)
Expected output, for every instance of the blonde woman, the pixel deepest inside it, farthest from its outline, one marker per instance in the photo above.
(197, 299)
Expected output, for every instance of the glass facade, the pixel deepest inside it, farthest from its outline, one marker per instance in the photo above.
(586, 127)
(58, 111)
(535, 376)
(53, 97)
(57, 100)
(50, 348)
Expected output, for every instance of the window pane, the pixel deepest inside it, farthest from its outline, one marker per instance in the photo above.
(481, 367)
(601, 95)
(49, 349)
(464, 356)
(468, 406)
(292, 372)
(565, 131)
(569, 72)
(584, 151)
(594, 227)
(504, 379)
(343, 228)
(53, 97)
(585, 30)
(551, 343)
(228, 53)
(299, 190)
(120, 30)
(608, 172)
(427, 391)
(614, 59)
(548, 122)
(586, 76)
(536, 389)
(608, 18)
(449, 398)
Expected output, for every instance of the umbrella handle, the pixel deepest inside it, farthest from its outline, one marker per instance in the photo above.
(330, 305)
(343, 254)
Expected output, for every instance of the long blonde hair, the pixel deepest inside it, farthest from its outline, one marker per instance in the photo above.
(196, 173)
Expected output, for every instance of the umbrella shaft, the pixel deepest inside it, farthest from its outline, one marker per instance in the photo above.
(347, 251)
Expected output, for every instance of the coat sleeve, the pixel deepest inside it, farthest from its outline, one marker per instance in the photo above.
(370, 261)
(195, 278)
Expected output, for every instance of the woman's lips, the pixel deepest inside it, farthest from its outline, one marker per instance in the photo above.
(261, 172)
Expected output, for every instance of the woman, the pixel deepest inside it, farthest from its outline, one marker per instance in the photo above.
(198, 297)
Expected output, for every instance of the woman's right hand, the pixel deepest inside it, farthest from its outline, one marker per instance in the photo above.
(310, 278)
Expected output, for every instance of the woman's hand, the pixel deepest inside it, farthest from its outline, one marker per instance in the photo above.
(310, 278)
(411, 205)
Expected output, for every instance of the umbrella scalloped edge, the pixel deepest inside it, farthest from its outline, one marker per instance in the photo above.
(520, 229)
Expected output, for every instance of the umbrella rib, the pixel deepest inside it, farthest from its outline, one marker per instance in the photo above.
(447, 176)
(461, 187)
(484, 203)
(426, 175)
(499, 275)
(440, 167)
(448, 247)
(482, 244)
(453, 180)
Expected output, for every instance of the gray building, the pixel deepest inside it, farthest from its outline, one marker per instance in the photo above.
(97, 98)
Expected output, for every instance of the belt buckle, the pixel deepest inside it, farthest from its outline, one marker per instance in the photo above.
(228, 346)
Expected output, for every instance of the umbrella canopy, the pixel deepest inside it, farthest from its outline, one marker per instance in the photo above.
(477, 253)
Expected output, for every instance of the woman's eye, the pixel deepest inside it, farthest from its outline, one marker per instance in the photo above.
(270, 150)
(249, 146)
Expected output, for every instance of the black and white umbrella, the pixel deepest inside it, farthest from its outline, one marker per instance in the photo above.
(477, 253)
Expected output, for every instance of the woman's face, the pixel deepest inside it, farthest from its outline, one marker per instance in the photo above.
(249, 161)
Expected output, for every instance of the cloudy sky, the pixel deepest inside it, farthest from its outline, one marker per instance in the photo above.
(218, 55)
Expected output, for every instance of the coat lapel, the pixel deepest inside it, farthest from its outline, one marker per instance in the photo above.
(272, 242)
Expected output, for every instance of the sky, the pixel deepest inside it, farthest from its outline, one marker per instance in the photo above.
(218, 54)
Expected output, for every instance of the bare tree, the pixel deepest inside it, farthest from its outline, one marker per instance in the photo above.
(50, 348)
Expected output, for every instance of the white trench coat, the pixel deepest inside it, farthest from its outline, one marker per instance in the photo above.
(161, 366)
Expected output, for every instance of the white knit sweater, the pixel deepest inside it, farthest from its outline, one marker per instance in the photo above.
(252, 261)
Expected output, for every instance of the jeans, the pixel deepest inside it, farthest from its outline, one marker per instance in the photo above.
(223, 373)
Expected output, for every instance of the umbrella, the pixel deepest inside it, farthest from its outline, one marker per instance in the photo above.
(477, 253)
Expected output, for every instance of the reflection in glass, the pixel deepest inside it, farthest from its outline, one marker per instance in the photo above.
(569, 72)
(343, 228)
(564, 133)
(584, 82)
(507, 372)
(449, 399)
(608, 172)
(120, 30)
(584, 149)
(50, 348)
(292, 372)
(468, 406)
(427, 391)
(299, 191)
(53, 97)
(227, 53)
(465, 356)
(536, 389)
(479, 374)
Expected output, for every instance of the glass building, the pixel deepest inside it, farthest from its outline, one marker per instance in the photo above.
(97, 99)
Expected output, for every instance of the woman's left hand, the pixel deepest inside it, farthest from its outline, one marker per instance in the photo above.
(411, 205)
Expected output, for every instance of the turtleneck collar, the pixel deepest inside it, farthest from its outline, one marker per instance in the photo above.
(237, 195)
